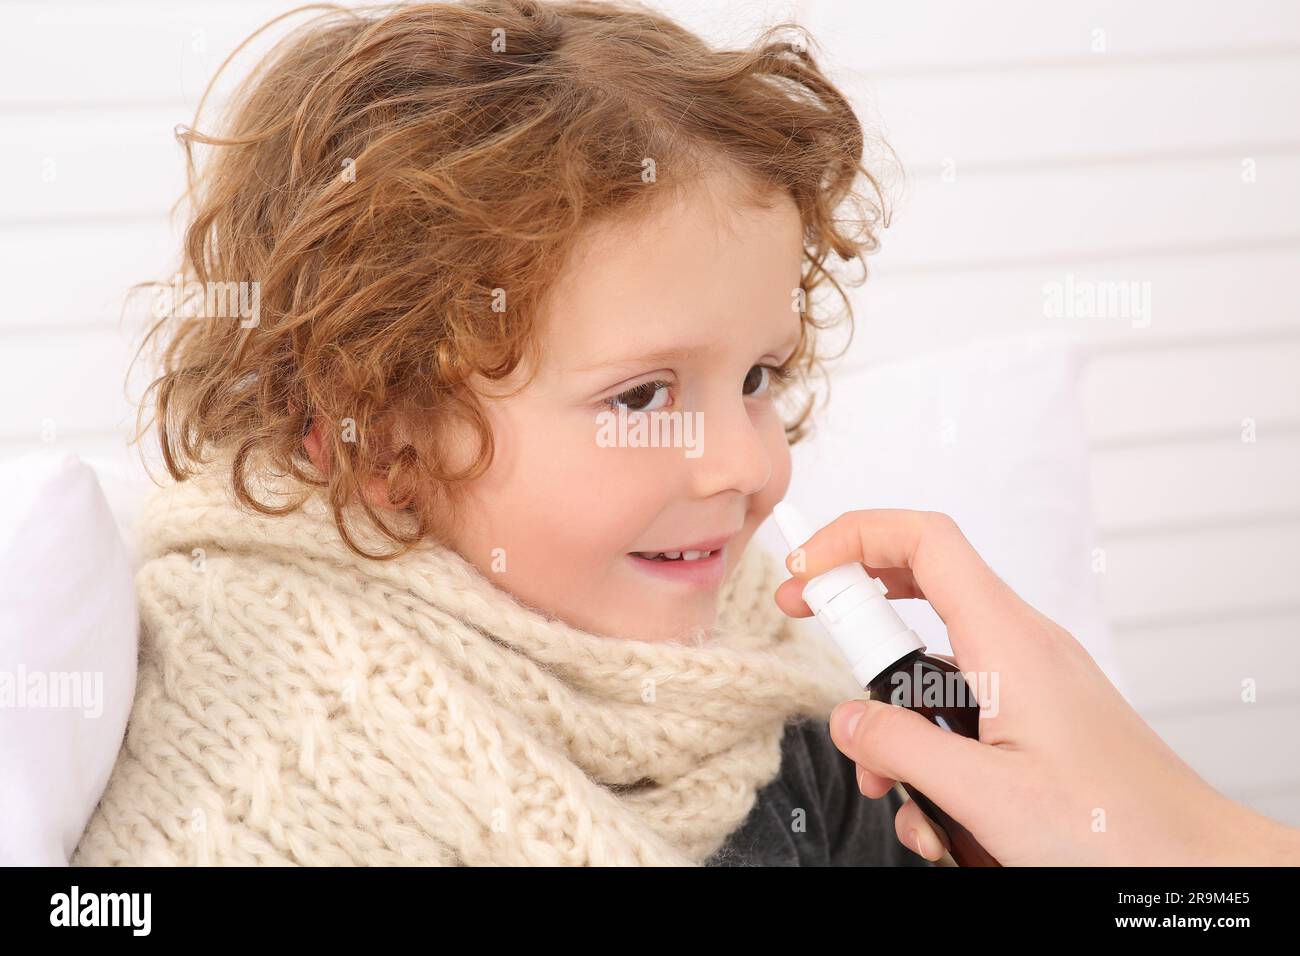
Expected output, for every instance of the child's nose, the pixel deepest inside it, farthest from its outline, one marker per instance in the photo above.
(731, 454)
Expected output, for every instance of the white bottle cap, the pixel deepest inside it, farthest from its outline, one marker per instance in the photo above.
(852, 606)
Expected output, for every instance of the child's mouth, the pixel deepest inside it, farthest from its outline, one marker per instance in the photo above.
(694, 568)
(674, 555)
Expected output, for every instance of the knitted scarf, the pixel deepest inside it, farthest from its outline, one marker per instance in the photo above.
(299, 704)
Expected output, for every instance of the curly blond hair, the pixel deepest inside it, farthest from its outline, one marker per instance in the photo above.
(383, 170)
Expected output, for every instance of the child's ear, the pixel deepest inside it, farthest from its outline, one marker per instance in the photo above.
(315, 447)
(314, 443)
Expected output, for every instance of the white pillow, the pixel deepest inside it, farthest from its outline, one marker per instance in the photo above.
(126, 485)
(68, 625)
(991, 433)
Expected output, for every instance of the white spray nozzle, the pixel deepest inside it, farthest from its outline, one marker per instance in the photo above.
(851, 605)
(794, 527)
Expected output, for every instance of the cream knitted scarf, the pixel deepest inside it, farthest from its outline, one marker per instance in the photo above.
(298, 704)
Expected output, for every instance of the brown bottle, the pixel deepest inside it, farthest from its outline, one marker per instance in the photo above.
(905, 684)
(889, 660)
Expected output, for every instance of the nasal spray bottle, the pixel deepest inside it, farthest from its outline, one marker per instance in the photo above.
(886, 655)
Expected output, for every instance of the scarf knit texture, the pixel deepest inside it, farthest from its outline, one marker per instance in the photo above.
(298, 704)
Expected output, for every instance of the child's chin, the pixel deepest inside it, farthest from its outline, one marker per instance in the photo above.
(689, 620)
(690, 634)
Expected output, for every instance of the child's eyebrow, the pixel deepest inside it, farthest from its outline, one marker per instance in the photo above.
(657, 355)
(667, 355)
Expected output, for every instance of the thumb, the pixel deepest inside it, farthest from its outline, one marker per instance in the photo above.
(899, 744)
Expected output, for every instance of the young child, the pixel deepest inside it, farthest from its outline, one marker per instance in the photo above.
(424, 588)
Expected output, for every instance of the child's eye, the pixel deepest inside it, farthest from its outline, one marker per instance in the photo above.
(642, 398)
(760, 383)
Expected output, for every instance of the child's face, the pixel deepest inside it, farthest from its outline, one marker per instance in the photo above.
(556, 518)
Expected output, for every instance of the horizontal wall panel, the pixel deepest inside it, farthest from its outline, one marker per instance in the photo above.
(89, 164)
(1202, 664)
(129, 52)
(947, 36)
(1158, 578)
(1214, 294)
(70, 384)
(985, 220)
(1092, 113)
(79, 275)
(1158, 395)
(1153, 486)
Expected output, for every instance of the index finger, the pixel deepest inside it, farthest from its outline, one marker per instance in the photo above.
(947, 569)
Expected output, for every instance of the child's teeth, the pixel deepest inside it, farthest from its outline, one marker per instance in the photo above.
(675, 555)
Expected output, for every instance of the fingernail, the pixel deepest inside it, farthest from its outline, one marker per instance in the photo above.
(914, 838)
(849, 719)
(928, 845)
(859, 772)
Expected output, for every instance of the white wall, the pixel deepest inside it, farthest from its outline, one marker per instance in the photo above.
(1103, 140)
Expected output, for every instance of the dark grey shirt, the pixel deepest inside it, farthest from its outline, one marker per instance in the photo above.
(838, 826)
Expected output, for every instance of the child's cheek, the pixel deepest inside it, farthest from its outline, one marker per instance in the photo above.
(629, 488)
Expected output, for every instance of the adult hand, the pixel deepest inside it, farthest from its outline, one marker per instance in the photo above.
(1065, 771)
